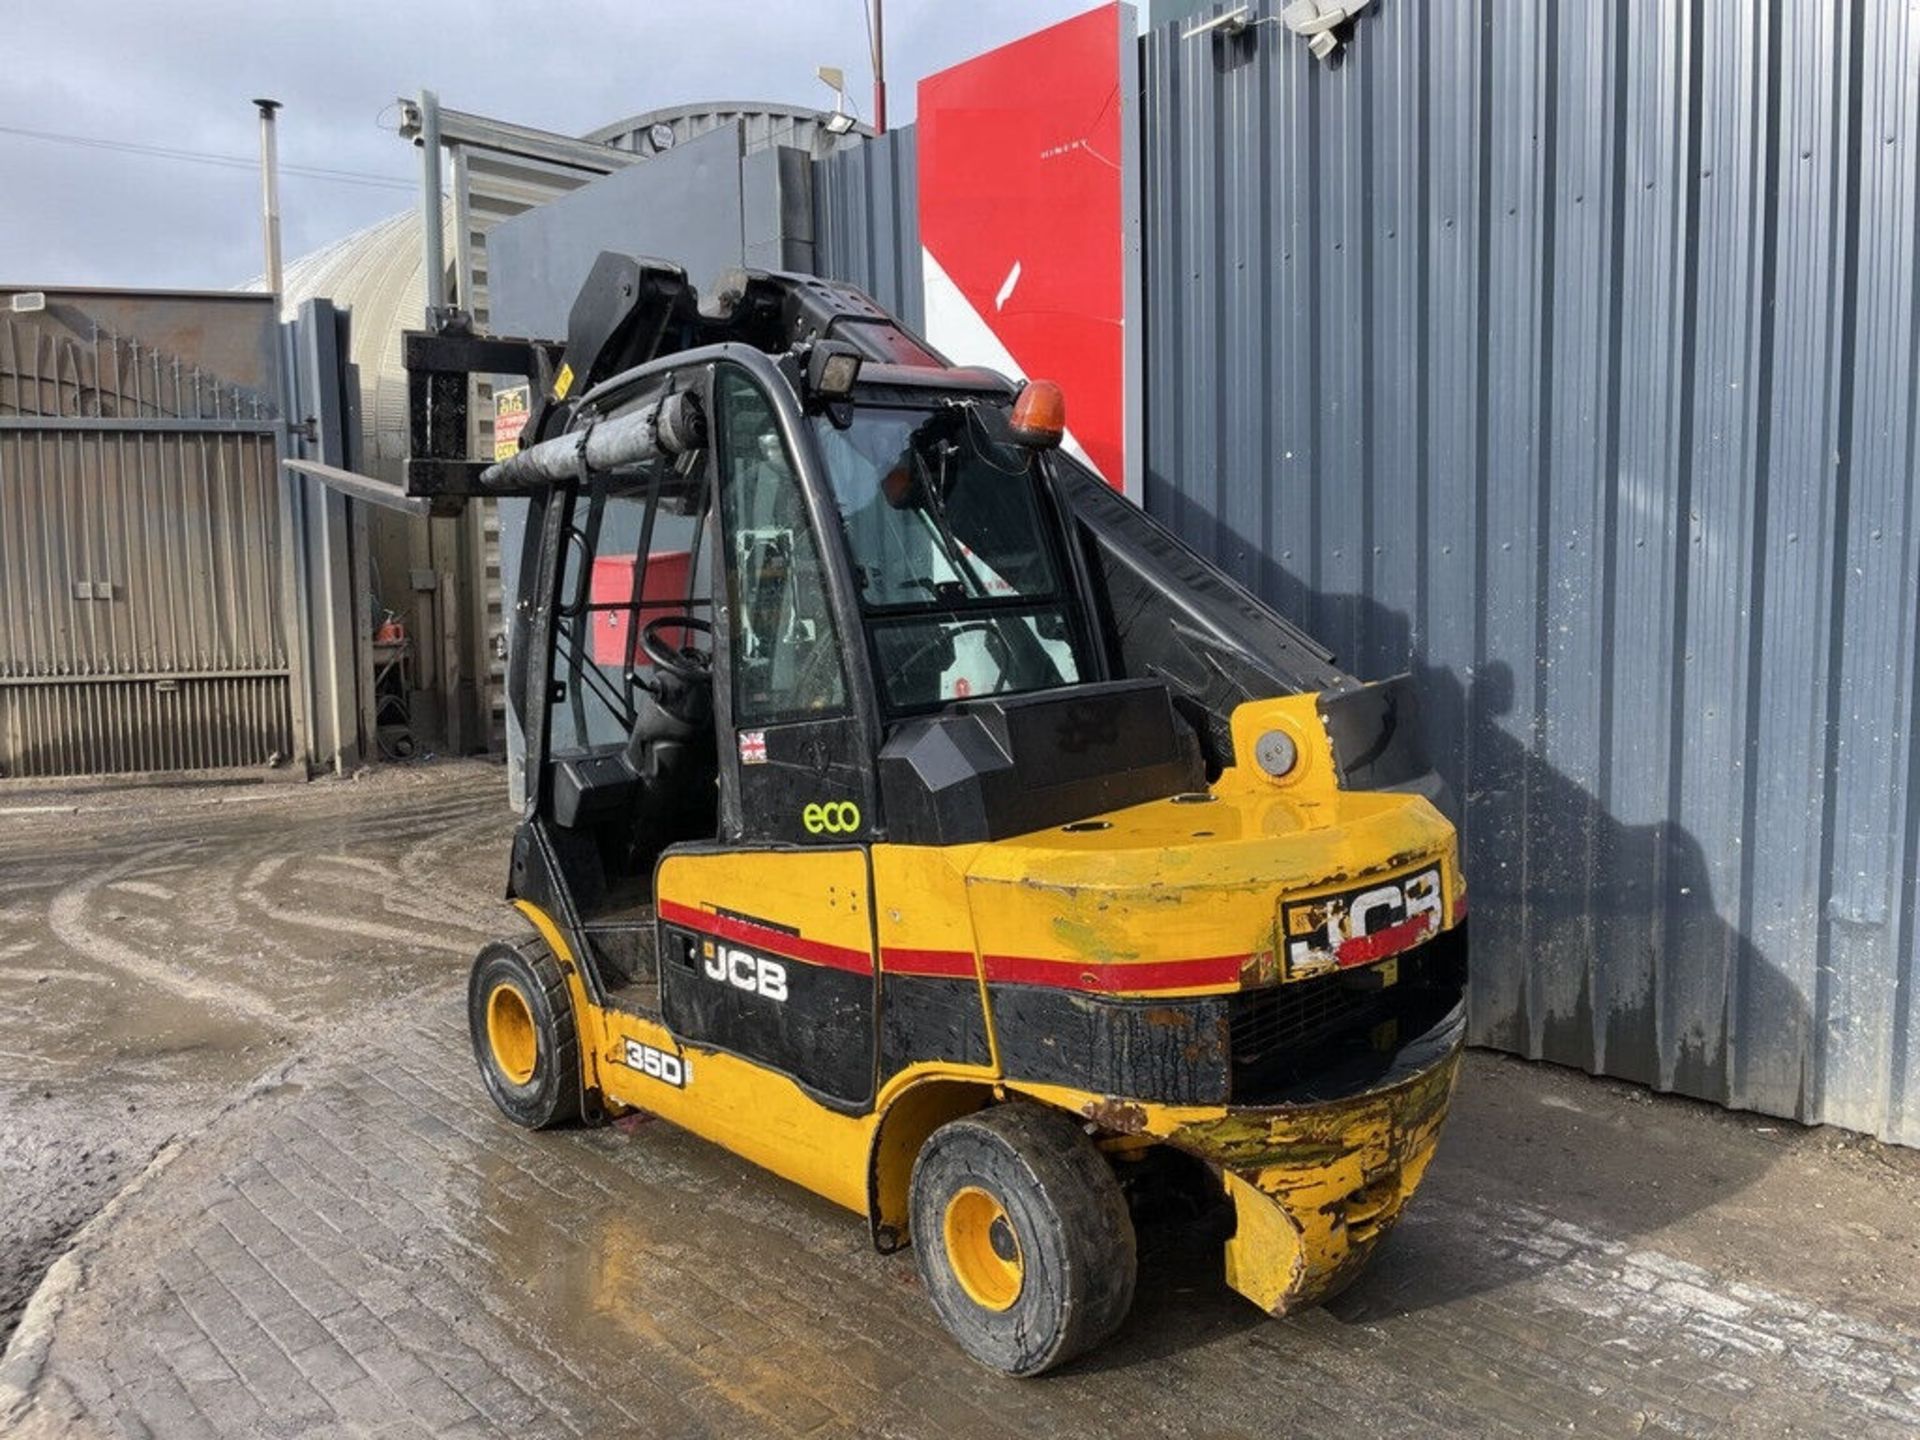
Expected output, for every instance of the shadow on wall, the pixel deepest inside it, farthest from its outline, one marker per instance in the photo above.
(1559, 889)
(1597, 942)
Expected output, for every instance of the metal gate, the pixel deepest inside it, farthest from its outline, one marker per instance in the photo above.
(141, 583)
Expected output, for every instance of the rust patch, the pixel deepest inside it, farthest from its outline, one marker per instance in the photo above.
(1170, 1016)
(1120, 1116)
(1259, 968)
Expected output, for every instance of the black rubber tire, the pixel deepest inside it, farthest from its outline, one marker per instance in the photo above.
(551, 1094)
(1075, 1237)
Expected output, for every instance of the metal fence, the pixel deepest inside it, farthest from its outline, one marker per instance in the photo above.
(1566, 355)
(141, 623)
(170, 600)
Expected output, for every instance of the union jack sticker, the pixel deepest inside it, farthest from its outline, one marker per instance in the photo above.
(753, 747)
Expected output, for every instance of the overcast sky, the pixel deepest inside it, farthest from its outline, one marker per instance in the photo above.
(182, 75)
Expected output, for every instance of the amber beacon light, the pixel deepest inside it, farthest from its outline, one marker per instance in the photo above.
(1039, 415)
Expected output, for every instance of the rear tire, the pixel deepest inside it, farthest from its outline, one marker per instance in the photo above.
(520, 1019)
(1022, 1236)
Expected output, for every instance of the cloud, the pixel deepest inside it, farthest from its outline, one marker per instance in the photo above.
(182, 76)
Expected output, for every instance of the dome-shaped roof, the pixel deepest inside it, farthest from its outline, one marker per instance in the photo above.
(763, 125)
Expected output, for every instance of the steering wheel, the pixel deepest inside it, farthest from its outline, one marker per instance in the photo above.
(685, 661)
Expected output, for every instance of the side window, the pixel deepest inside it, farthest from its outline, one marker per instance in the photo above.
(589, 696)
(786, 654)
(596, 620)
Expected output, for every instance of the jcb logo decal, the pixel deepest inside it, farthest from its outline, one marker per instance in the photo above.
(838, 817)
(744, 970)
(1319, 931)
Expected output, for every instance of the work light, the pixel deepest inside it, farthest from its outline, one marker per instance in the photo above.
(832, 369)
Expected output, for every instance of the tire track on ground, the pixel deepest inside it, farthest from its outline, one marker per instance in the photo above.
(336, 924)
(67, 919)
(428, 875)
(421, 889)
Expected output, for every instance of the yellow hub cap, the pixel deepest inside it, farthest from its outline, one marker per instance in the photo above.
(510, 1033)
(982, 1249)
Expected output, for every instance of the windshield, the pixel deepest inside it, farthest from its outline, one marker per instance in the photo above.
(958, 577)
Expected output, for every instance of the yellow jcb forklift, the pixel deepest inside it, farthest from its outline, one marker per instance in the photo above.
(908, 813)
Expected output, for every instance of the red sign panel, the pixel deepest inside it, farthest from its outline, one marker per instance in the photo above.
(612, 584)
(1024, 223)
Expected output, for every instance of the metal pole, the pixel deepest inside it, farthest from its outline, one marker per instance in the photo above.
(879, 70)
(270, 190)
(430, 205)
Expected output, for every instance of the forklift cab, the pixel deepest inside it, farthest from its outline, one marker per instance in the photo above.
(715, 651)
(680, 676)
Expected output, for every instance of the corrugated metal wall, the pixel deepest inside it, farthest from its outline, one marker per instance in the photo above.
(866, 221)
(1566, 354)
(141, 618)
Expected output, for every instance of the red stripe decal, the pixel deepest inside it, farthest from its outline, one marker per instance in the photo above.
(944, 964)
(765, 937)
(1212, 970)
(1094, 976)
(1365, 949)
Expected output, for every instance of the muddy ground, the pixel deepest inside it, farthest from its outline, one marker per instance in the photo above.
(161, 948)
(213, 960)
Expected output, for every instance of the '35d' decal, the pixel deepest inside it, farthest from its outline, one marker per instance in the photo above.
(660, 1064)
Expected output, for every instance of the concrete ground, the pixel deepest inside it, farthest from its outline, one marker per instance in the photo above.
(159, 948)
(340, 1235)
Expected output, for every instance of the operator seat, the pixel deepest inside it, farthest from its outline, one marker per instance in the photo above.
(672, 753)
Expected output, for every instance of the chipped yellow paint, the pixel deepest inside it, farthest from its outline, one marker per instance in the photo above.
(1185, 879)
(1266, 1256)
(1314, 1187)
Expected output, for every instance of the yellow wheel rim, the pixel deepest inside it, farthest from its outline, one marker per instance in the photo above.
(982, 1249)
(510, 1033)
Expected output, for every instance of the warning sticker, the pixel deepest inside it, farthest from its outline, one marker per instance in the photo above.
(509, 419)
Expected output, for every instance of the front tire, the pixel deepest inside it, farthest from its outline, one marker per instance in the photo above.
(520, 1019)
(1022, 1236)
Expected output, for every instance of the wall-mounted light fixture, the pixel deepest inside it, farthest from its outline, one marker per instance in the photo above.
(1315, 21)
(840, 121)
(1228, 22)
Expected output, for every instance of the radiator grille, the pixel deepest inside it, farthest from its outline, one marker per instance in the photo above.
(1286, 1033)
